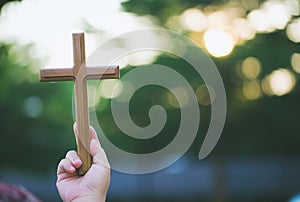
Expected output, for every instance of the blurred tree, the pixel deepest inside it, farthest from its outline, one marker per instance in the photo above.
(259, 121)
(33, 121)
(163, 10)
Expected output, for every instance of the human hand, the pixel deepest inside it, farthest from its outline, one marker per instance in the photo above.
(94, 184)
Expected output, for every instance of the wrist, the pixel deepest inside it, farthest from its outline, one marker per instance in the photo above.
(90, 199)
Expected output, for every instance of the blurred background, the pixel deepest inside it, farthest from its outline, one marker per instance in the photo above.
(254, 44)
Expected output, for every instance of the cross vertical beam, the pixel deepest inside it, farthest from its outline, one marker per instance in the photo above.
(81, 103)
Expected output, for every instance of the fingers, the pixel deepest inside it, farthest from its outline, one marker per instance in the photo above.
(69, 164)
(74, 158)
(65, 165)
(93, 133)
(98, 154)
(75, 132)
(94, 147)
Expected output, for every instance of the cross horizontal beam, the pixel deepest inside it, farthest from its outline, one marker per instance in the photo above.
(67, 74)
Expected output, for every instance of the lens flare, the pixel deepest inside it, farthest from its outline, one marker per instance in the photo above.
(279, 82)
(295, 61)
(218, 42)
(251, 90)
(251, 68)
(293, 31)
(111, 88)
(193, 20)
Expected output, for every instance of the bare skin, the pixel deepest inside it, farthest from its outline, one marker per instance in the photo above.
(94, 184)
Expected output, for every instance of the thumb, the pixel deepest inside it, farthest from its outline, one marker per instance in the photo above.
(75, 132)
(98, 154)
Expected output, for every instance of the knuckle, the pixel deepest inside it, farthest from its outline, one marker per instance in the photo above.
(70, 154)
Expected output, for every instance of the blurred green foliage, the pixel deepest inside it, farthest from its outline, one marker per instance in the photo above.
(163, 10)
(36, 125)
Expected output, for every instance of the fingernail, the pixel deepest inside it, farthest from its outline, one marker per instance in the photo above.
(77, 161)
(75, 127)
(71, 168)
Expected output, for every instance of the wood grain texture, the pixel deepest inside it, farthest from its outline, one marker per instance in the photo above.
(81, 103)
(80, 73)
(82, 120)
(92, 73)
(78, 51)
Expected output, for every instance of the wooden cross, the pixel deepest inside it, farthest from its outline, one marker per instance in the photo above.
(80, 73)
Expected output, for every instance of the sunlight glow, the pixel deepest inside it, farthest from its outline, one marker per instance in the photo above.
(240, 21)
(218, 20)
(243, 29)
(110, 88)
(182, 97)
(295, 61)
(273, 14)
(279, 82)
(251, 67)
(143, 57)
(203, 94)
(293, 31)
(127, 90)
(49, 25)
(292, 6)
(251, 90)
(218, 42)
(277, 13)
(259, 20)
(193, 20)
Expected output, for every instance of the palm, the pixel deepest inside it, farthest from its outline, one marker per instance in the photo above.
(94, 184)
(72, 186)
(68, 187)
